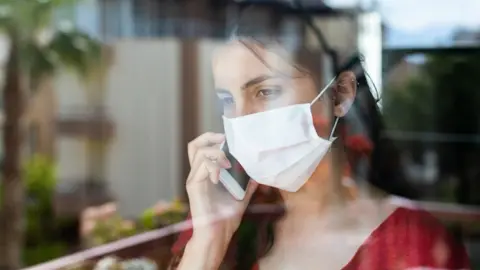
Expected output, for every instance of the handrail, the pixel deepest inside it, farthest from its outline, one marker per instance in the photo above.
(112, 247)
(437, 209)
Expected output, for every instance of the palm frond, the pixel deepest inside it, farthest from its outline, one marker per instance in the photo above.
(6, 15)
(29, 15)
(21, 13)
(43, 10)
(38, 62)
(67, 47)
(75, 50)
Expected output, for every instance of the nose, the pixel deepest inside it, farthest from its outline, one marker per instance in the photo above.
(243, 108)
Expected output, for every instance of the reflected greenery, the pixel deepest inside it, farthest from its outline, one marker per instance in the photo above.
(442, 99)
(36, 52)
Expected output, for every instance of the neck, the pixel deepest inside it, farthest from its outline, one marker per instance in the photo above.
(321, 195)
(326, 207)
(310, 205)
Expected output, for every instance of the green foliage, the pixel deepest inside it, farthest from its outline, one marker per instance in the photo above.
(44, 252)
(75, 50)
(152, 218)
(442, 98)
(455, 80)
(409, 107)
(28, 15)
(446, 191)
(171, 217)
(67, 46)
(40, 179)
(148, 219)
(111, 229)
(24, 22)
(108, 229)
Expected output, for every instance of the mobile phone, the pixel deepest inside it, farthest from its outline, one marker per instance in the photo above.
(235, 180)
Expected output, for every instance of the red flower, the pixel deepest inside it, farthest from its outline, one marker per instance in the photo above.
(359, 144)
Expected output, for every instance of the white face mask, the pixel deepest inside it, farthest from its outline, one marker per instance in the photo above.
(280, 147)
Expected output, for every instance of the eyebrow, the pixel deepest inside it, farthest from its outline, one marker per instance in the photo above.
(248, 84)
(257, 80)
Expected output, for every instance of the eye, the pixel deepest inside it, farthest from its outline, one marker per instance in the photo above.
(269, 93)
(227, 101)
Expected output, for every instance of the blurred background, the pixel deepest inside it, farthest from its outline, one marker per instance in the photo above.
(101, 97)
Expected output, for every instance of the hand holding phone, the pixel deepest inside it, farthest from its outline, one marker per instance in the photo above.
(235, 179)
(215, 214)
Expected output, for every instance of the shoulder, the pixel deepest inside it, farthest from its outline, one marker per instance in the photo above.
(414, 238)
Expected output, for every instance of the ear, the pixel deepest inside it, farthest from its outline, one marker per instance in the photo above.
(345, 91)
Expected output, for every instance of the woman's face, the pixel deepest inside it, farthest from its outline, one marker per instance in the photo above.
(249, 82)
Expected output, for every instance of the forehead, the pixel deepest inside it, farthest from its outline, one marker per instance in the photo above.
(236, 63)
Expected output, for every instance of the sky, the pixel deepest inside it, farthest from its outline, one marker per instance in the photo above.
(426, 22)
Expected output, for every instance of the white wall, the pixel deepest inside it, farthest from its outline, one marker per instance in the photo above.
(210, 115)
(143, 100)
(70, 152)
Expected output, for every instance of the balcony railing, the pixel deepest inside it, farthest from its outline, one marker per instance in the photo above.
(156, 244)
(87, 122)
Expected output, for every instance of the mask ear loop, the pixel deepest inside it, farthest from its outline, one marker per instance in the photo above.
(323, 91)
(316, 99)
(333, 128)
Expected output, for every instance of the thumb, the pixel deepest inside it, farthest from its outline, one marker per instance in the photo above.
(251, 188)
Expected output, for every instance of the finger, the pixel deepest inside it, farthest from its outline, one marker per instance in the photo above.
(206, 171)
(202, 141)
(213, 154)
(213, 171)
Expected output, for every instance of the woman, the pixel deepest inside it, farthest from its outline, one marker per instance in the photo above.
(337, 217)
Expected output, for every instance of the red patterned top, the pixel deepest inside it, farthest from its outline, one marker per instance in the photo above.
(409, 239)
